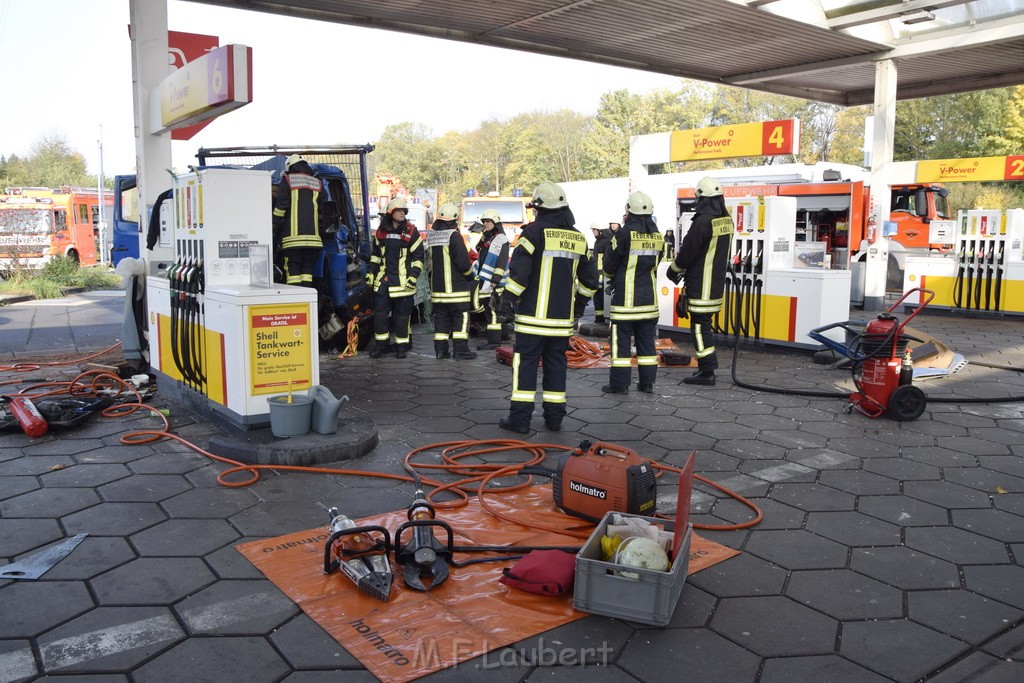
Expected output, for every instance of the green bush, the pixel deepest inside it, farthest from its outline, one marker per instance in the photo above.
(58, 274)
(60, 269)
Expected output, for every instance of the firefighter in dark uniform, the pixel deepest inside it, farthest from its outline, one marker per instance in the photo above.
(296, 221)
(492, 272)
(631, 266)
(602, 238)
(701, 265)
(396, 260)
(451, 275)
(550, 280)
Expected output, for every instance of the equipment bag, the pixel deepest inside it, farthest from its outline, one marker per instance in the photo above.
(545, 572)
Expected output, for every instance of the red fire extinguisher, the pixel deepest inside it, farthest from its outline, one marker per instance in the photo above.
(28, 416)
(872, 231)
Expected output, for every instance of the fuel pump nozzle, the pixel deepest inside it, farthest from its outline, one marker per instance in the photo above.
(423, 557)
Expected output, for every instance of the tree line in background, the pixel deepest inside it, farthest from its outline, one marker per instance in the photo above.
(523, 150)
(51, 162)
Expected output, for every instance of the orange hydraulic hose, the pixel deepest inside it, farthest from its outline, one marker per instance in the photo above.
(583, 353)
(477, 477)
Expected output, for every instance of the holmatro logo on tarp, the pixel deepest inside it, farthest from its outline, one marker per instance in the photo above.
(588, 490)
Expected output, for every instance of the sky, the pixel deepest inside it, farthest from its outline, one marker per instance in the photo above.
(66, 70)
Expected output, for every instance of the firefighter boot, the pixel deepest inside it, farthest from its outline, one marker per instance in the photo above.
(402, 350)
(493, 341)
(645, 388)
(441, 350)
(461, 350)
(375, 349)
(702, 377)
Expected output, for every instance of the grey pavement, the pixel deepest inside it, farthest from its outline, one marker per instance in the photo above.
(888, 551)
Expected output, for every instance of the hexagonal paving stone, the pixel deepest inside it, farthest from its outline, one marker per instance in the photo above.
(276, 519)
(1003, 463)
(904, 568)
(108, 639)
(969, 444)
(1010, 645)
(61, 446)
(1012, 503)
(1004, 583)
(985, 480)
(812, 497)
(49, 503)
(981, 667)
(209, 503)
(307, 646)
(17, 662)
(961, 614)
(902, 470)
(93, 556)
(845, 595)
(775, 626)
(84, 475)
(725, 430)
(152, 581)
(776, 515)
(32, 607)
(853, 528)
(114, 519)
(34, 466)
(236, 608)
(817, 668)
(903, 511)
(168, 463)
(292, 486)
(681, 441)
(797, 549)
(222, 658)
(946, 494)
(15, 486)
(898, 648)
(779, 470)
(742, 575)
(144, 488)
(859, 482)
(864, 447)
(184, 538)
(956, 545)
(703, 655)
(940, 457)
(997, 524)
(750, 449)
(19, 536)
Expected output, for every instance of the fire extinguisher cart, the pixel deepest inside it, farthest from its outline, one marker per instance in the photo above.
(882, 371)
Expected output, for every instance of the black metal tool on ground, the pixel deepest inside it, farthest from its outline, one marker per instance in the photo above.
(361, 558)
(423, 557)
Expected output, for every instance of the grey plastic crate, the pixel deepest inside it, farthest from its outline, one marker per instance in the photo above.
(649, 599)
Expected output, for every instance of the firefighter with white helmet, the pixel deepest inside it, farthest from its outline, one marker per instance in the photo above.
(492, 273)
(550, 280)
(296, 221)
(451, 273)
(701, 265)
(396, 259)
(631, 266)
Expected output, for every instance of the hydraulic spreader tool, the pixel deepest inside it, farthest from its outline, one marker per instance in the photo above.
(882, 371)
(360, 556)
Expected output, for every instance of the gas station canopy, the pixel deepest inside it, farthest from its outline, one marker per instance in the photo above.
(822, 50)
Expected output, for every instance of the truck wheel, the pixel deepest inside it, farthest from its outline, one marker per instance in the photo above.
(73, 255)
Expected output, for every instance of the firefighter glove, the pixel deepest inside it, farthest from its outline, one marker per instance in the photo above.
(507, 308)
(581, 305)
(610, 287)
(682, 306)
(674, 275)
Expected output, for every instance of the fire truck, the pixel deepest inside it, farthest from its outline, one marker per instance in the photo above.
(511, 209)
(833, 206)
(38, 223)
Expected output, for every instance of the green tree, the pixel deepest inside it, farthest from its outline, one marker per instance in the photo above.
(1010, 138)
(51, 163)
(739, 105)
(949, 126)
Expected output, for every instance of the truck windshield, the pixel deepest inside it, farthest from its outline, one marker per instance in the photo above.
(941, 206)
(25, 221)
(510, 211)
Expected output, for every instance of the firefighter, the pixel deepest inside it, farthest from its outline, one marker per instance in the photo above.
(492, 273)
(296, 220)
(550, 280)
(451, 274)
(631, 267)
(396, 260)
(602, 238)
(701, 265)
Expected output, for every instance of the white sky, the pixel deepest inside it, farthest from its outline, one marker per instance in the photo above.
(66, 68)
